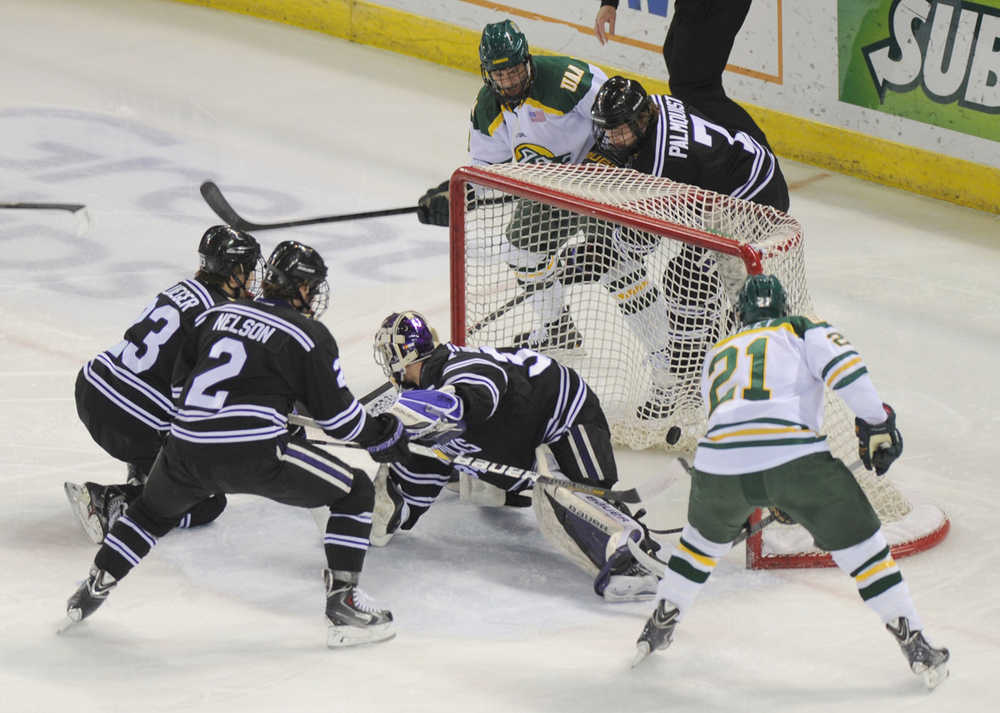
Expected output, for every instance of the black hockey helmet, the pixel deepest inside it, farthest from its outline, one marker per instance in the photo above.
(621, 101)
(762, 297)
(402, 339)
(293, 265)
(226, 252)
(503, 45)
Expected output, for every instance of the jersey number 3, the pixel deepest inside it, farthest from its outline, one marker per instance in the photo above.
(751, 372)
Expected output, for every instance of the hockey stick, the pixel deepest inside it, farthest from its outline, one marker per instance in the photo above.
(632, 495)
(71, 207)
(658, 567)
(218, 203)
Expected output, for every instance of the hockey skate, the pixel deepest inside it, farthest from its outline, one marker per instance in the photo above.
(88, 597)
(924, 659)
(559, 335)
(390, 510)
(658, 633)
(352, 617)
(96, 507)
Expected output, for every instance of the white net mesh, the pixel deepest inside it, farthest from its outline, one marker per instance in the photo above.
(566, 260)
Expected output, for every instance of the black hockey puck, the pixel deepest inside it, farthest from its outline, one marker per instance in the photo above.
(674, 435)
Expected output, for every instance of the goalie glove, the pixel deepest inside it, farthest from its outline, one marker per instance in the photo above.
(434, 208)
(881, 444)
(430, 416)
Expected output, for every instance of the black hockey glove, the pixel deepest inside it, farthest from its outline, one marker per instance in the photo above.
(881, 444)
(391, 445)
(433, 208)
(781, 516)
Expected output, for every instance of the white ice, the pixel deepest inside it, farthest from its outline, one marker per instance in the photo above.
(126, 106)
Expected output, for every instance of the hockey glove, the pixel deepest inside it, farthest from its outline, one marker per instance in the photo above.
(781, 516)
(391, 444)
(430, 416)
(881, 444)
(433, 208)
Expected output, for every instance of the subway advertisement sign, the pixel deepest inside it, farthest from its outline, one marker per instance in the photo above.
(934, 61)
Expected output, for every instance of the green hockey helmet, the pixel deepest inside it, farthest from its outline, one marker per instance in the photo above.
(762, 297)
(502, 46)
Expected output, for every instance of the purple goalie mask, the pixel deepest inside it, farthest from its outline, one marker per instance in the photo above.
(402, 339)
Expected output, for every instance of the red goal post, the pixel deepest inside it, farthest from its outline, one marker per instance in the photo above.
(682, 243)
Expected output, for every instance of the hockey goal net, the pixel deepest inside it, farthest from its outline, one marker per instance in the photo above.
(629, 279)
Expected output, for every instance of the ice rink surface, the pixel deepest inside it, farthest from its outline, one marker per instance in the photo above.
(126, 106)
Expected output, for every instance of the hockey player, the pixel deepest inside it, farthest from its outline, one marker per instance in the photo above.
(529, 110)
(123, 394)
(237, 378)
(502, 404)
(764, 391)
(699, 136)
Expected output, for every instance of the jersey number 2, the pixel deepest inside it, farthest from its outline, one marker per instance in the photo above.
(730, 360)
(237, 357)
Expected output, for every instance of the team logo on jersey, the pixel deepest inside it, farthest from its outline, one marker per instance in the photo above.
(533, 153)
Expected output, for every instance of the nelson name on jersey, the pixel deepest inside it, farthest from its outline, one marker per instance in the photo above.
(243, 326)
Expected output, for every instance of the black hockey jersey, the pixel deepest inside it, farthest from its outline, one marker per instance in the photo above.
(515, 399)
(245, 367)
(135, 373)
(687, 147)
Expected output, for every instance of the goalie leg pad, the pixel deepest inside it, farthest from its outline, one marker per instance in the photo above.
(588, 530)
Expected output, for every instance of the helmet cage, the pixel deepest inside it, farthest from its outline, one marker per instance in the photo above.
(225, 253)
(403, 338)
(293, 265)
(620, 102)
(502, 46)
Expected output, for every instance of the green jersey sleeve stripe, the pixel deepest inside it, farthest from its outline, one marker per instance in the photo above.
(836, 360)
(851, 378)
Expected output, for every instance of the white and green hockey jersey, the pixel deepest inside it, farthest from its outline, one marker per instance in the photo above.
(552, 124)
(764, 391)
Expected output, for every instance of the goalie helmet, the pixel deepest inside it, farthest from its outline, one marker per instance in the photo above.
(225, 252)
(293, 265)
(762, 297)
(621, 102)
(502, 46)
(404, 338)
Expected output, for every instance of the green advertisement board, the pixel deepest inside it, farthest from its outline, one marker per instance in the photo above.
(934, 61)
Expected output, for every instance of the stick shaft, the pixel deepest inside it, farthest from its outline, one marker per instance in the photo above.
(222, 208)
(71, 207)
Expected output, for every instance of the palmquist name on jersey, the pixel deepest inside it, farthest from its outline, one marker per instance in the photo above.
(243, 327)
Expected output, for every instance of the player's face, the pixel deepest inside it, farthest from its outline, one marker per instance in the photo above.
(621, 137)
(511, 81)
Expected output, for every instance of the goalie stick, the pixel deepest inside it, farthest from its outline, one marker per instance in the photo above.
(218, 203)
(638, 494)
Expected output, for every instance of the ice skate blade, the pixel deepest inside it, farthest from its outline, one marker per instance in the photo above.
(642, 652)
(79, 502)
(73, 617)
(934, 677)
(339, 637)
